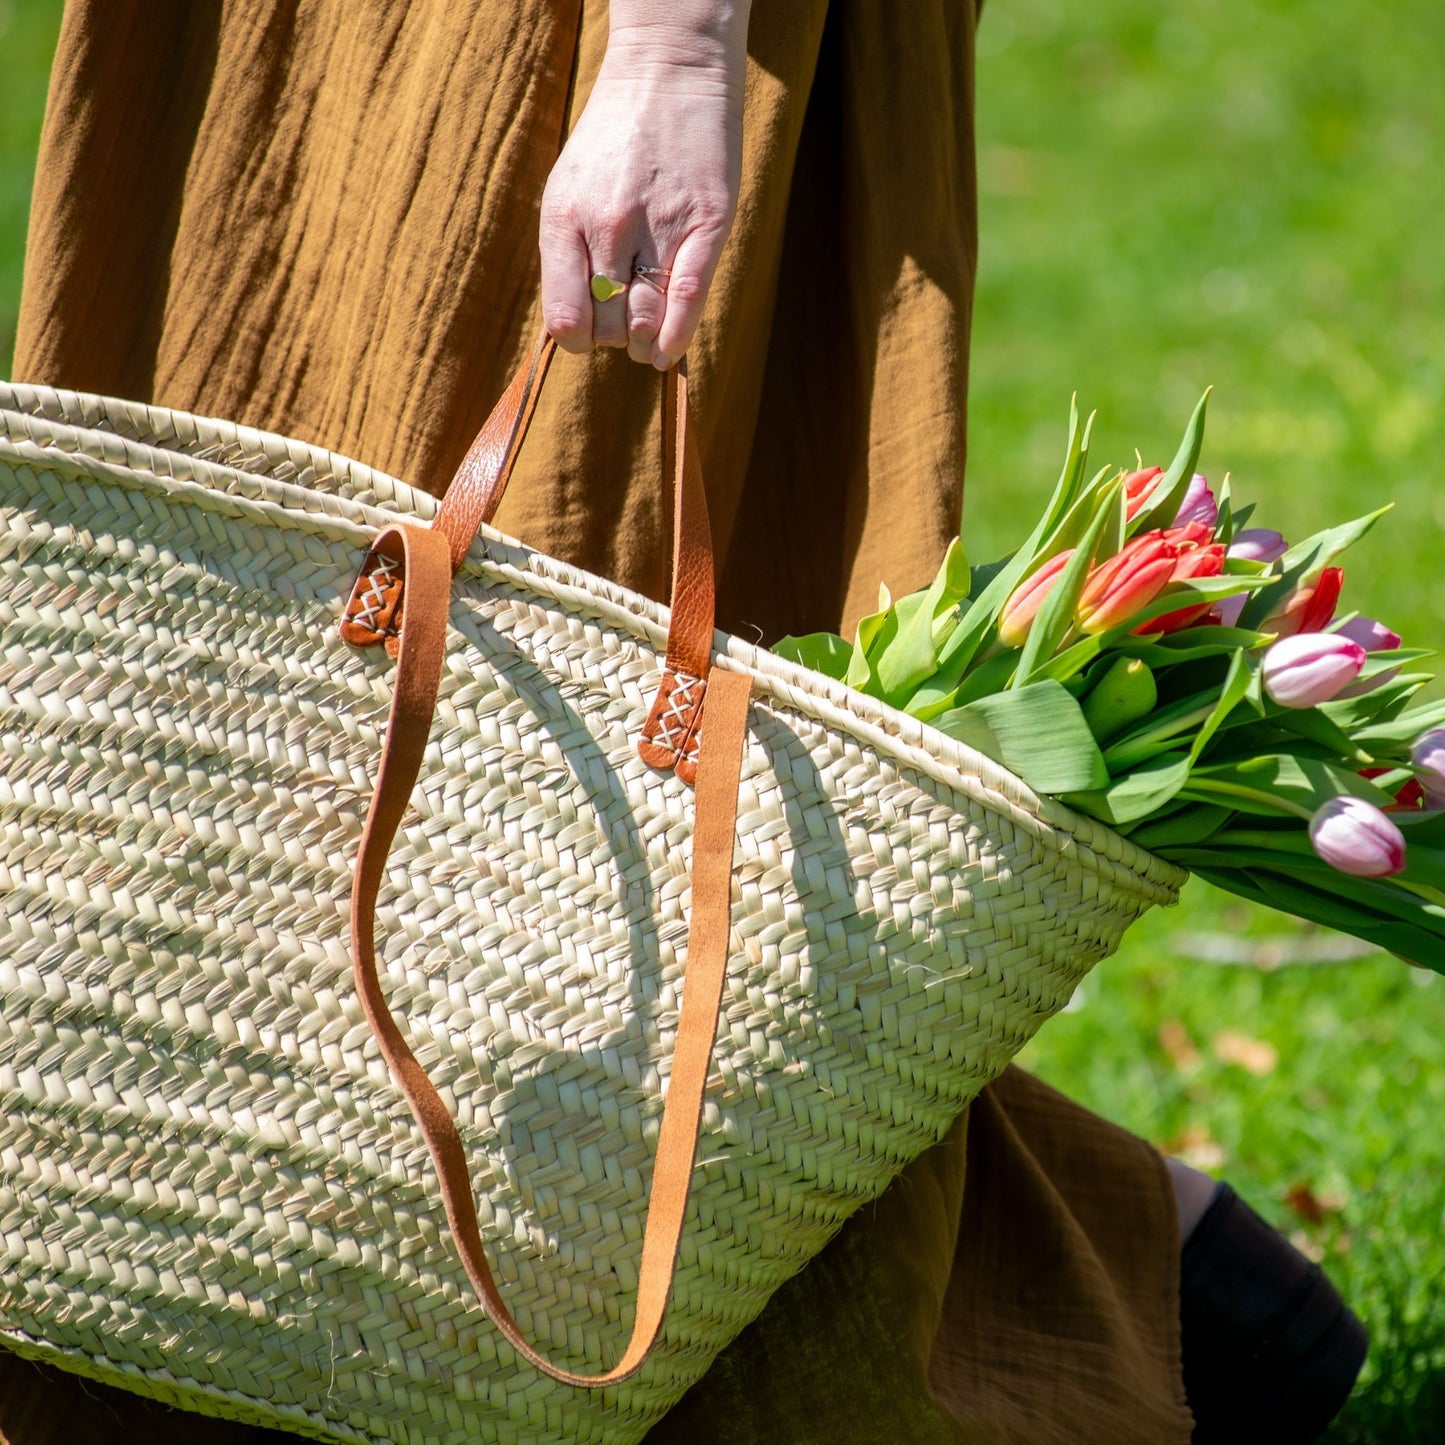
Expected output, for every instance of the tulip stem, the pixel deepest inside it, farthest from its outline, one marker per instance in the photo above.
(1238, 790)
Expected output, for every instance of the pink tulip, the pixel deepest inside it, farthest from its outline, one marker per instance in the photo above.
(1135, 575)
(1309, 607)
(1018, 613)
(1310, 668)
(1227, 609)
(1371, 635)
(1357, 838)
(1198, 504)
(1428, 756)
(1258, 544)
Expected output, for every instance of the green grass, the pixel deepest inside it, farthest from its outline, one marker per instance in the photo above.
(1175, 196)
(27, 41)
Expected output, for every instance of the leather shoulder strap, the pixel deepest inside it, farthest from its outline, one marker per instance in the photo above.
(423, 558)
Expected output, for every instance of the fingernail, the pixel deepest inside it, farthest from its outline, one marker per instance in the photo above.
(663, 361)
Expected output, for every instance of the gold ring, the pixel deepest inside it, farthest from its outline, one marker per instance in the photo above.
(604, 288)
(654, 276)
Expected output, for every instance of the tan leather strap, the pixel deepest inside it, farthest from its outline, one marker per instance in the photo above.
(669, 735)
(423, 557)
(472, 496)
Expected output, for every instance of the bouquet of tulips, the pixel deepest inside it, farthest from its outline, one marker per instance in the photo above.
(1153, 660)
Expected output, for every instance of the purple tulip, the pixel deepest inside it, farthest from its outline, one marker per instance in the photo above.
(1198, 504)
(1373, 637)
(1310, 668)
(1227, 609)
(1428, 756)
(1258, 544)
(1357, 838)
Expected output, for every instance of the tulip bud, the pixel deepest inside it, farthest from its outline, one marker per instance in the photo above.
(1129, 580)
(1198, 504)
(1309, 607)
(1357, 838)
(1193, 561)
(1428, 756)
(1371, 635)
(1124, 694)
(1258, 544)
(1018, 613)
(1137, 486)
(1310, 668)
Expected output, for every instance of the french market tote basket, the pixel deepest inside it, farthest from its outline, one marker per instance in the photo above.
(661, 910)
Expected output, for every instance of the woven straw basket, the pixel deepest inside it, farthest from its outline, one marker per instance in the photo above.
(212, 1191)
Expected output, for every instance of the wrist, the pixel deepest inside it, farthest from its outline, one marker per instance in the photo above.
(673, 34)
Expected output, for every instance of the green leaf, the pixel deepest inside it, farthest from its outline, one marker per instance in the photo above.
(1306, 559)
(1378, 706)
(1038, 732)
(990, 676)
(1055, 618)
(1317, 727)
(1137, 794)
(822, 651)
(1281, 783)
(1422, 942)
(1160, 731)
(1194, 823)
(981, 618)
(873, 634)
(1225, 524)
(1236, 684)
(1165, 496)
(911, 657)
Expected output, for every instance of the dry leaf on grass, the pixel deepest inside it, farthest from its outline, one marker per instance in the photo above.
(1175, 1041)
(1312, 1207)
(1253, 1055)
(1195, 1146)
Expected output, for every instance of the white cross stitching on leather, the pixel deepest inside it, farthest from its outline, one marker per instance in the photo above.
(369, 603)
(673, 721)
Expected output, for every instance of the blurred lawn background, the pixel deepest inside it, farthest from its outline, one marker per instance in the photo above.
(1174, 196)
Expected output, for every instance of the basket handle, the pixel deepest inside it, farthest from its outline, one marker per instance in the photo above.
(424, 555)
(671, 732)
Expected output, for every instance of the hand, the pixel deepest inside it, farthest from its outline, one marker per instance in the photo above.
(649, 177)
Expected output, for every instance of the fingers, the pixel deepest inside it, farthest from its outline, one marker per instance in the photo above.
(692, 269)
(646, 306)
(609, 318)
(567, 305)
(656, 323)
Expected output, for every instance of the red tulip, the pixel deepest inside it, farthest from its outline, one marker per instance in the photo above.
(1135, 575)
(1309, 607)
(1024, 602)
(1137, 486)
(1409, 797)
(1194, 561)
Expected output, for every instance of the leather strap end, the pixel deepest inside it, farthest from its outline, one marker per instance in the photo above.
(372, 611)
(669, 736)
